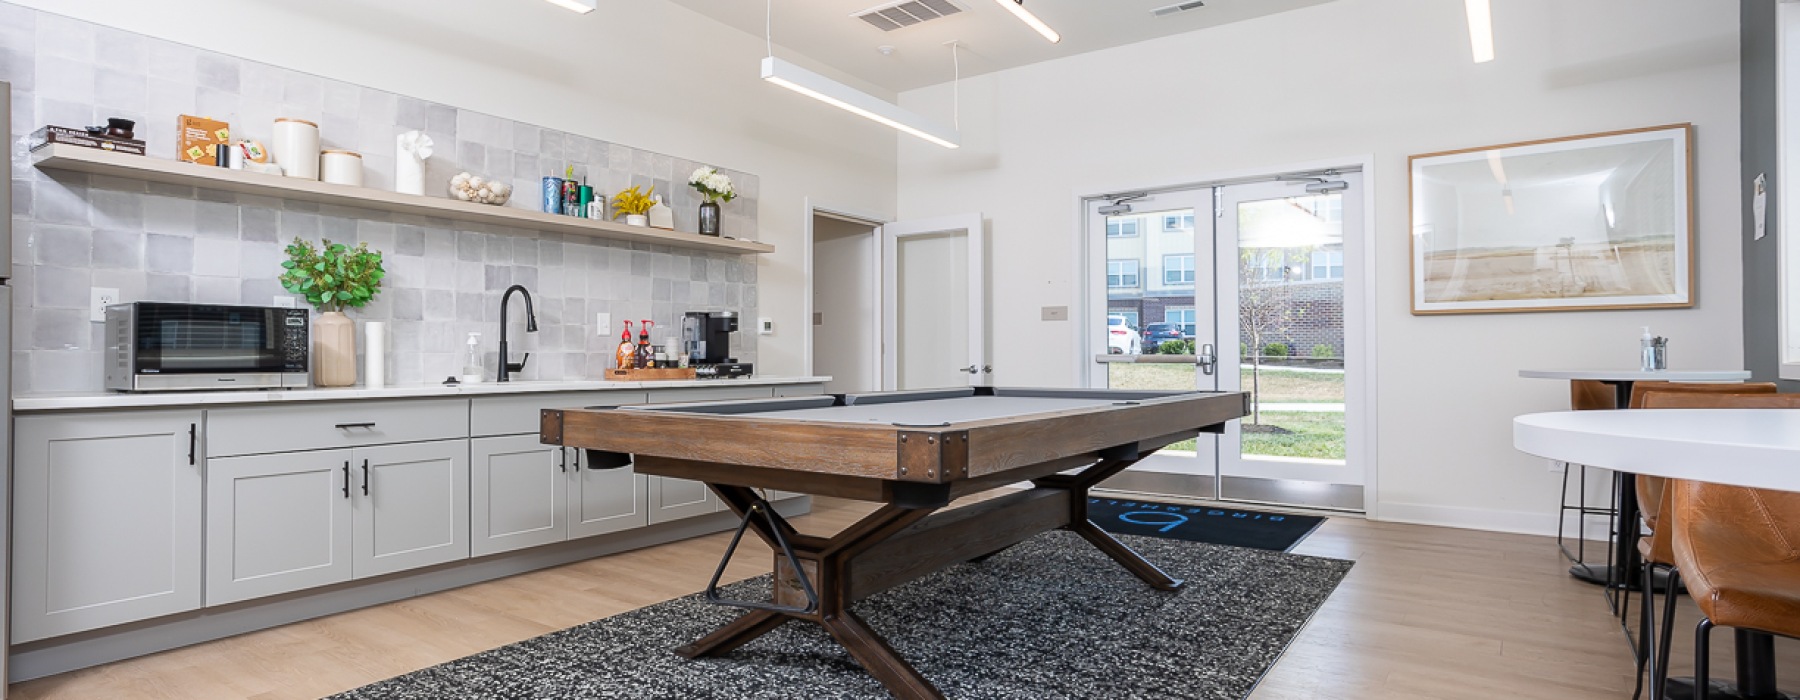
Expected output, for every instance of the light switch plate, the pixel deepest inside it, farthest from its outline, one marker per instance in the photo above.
(100, 298)
(1056, 313)
(765, 326)
(602, 324)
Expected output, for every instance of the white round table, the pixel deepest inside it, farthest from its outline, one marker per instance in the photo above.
(1638, 375)
(1759, 448)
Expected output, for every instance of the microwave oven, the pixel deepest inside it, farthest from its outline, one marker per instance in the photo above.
(162, 346)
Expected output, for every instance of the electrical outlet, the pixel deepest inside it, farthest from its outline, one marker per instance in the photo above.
(765, 326)
(283, 301)
(99, 298)
(603, 324)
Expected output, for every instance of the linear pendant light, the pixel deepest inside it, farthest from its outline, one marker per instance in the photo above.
(580, 6)
(1481, 29)
(1017, 7)
(855, 101)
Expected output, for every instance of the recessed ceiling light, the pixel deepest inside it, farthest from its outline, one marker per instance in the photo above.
(580, 6)
(1481, 29)
(1017, 7)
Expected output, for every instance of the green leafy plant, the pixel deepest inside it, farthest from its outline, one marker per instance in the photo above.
(1176, 347)
(1323, 351)
(1275, 350)
(332, 276)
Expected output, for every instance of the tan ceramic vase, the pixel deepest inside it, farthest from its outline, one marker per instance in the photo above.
(334, 350)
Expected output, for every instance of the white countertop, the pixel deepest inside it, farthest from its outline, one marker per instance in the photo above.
(1638, 375)
(1759, 448)
(67, 402)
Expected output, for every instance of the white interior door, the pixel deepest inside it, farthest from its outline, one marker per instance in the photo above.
(934, 303)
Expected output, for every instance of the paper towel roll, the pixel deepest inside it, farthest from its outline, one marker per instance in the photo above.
(374, 354)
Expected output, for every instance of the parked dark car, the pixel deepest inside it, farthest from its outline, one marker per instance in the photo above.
(1156, 333)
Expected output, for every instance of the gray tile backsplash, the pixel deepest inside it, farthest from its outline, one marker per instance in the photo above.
(157, 242)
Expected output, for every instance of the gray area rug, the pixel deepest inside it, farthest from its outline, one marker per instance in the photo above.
(1050, 618)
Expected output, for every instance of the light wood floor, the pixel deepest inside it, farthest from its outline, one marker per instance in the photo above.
(1426, 613)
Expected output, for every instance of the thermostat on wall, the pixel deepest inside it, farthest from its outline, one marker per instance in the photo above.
(765, 326)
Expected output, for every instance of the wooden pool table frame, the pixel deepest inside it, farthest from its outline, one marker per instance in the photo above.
(913, 471)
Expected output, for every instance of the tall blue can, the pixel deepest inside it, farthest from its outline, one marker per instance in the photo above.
(553, 195)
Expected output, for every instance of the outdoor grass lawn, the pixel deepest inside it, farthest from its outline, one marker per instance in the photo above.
(1278, 386)
(1310, 435)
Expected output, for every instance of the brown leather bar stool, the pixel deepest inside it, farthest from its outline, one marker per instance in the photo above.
(1655, 550)
(1738, 550)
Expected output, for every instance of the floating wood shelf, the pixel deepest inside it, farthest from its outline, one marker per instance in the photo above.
(98, 162)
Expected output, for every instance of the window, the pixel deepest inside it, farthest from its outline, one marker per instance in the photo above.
(1327, 265)
(1130, 316)
(1178, 269)
(1122, 274)
(1121, 228)
(1178, 222)
(1183, 318)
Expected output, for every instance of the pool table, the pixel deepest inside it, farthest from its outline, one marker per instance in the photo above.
(913, 452)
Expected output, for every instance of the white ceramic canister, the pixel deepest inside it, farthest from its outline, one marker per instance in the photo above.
(340, 167)
(296, 148)
(374, 354)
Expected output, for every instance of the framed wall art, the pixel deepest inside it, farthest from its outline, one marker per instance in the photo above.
(1599, 221)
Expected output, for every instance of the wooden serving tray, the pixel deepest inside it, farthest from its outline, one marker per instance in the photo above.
(649, 375)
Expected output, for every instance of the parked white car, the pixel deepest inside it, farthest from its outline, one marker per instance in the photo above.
(1121, 338)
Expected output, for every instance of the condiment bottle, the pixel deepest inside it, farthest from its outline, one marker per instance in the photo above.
(642, 358)
(627, 353)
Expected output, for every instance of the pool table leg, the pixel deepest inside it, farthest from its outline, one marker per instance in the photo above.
(1077, 485)
(748, 626)
(879, 659)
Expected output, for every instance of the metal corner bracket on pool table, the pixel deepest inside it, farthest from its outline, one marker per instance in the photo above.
(913, 470)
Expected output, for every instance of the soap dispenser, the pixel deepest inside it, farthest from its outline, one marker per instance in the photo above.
(1647, 351)
(471, 371)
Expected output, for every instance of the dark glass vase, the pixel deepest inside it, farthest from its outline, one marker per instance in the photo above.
(709, 219)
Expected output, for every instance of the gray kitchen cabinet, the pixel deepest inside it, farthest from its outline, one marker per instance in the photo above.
(605, 500)
(296, 520)
(277, 523)
(674, 499)
(106, 520)
(411, 507)
(519, 489)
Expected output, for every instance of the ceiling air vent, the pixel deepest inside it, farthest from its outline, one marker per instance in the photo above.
(906, 13)
(1179, 7)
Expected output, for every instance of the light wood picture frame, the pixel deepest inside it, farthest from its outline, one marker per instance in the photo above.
(1588, 222)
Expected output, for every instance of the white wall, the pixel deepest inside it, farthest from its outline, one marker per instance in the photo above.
(647, 73)
(844, 298)
(1387, 78)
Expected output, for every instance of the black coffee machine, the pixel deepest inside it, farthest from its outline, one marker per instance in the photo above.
(706, 337)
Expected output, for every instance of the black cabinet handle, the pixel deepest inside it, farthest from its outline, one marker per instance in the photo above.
(577, 452)
(347, 426)
(365, 477)
(193, 438)
(346, 478)
(564, 464)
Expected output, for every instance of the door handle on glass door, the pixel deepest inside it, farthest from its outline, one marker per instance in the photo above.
(1207, 359)
(971, 369)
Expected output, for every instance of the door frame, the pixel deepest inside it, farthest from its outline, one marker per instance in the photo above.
(975, 224)
(873, 279)
(1360, 327)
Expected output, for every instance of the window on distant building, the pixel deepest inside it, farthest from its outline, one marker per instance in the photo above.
(1130, 315)
(1178, 222)
(1178, 269)
(1122, 274)
(1265, 265)
(1181, 317)
(1327, 265)
(1121, 228)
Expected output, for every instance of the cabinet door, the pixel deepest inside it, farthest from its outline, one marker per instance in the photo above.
(411, 506)
(518, 490)
(277, 523)
(605, 500)
(674, 499)
(106, 520)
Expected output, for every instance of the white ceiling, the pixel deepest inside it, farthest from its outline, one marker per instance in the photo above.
(991, 39)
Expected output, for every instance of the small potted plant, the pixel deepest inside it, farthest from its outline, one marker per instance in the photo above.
(634, 206)
(715, 187)
(333, 277)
